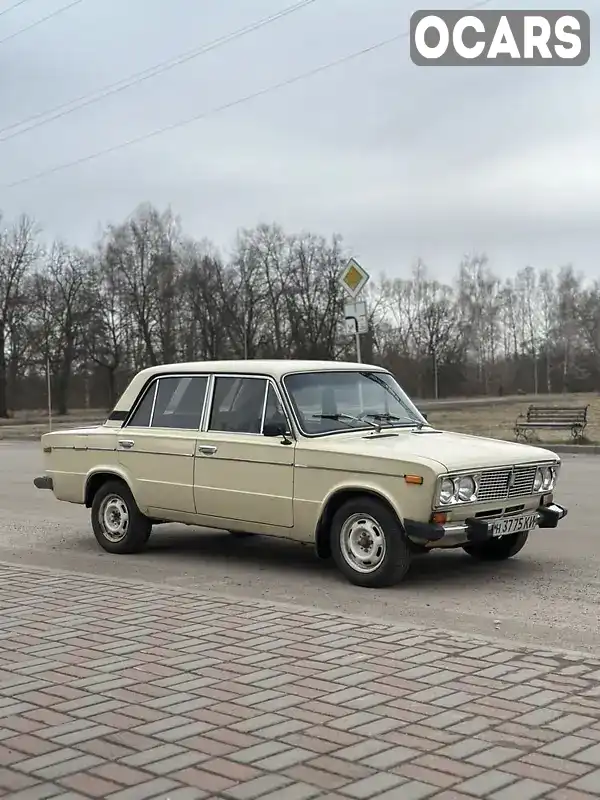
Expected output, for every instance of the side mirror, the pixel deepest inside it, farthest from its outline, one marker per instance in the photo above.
(275, 429)
(424, 416)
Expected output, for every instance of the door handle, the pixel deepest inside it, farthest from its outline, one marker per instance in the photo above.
(126, 444)
(206, 449)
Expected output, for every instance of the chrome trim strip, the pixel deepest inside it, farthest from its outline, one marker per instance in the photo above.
(208, 401)
(153, 408)
(236, 460)
(497, 467)
(264, 409)
(160, 452)
(347, 471)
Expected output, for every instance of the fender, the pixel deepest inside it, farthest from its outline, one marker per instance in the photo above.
(105, 470)
(337, 495)
(348, 487)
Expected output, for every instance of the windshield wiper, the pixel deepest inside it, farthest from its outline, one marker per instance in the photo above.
(406, 421)
(343, 417)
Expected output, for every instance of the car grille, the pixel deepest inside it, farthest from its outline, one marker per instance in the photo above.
(501, 484)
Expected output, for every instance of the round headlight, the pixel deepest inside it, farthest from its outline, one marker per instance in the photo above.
(467, 489)
(447, 491)
(539, 480)
(547, 479)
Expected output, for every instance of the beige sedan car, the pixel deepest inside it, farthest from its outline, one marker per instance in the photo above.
(330, 453)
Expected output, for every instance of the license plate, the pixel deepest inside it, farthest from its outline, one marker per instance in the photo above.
(504, 527)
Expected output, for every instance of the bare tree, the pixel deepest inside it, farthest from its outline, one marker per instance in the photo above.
(19, 250)
(104, 338)
(142, 252)
(480, 295)
(526, 287)
(68, 272)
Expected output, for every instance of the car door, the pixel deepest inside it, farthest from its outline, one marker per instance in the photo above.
(239, 472)
(156, 446)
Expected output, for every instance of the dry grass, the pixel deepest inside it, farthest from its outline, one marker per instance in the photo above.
(39, 417)
(497, 420)
(32, 424)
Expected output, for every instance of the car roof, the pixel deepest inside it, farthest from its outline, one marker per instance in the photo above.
(276, 367)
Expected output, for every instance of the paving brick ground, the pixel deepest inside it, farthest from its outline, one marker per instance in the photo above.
(127, 691)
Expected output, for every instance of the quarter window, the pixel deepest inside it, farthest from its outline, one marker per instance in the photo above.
(274, 413)
(142, 414)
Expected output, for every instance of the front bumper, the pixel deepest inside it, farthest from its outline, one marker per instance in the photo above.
(472, 530)
(43, 482)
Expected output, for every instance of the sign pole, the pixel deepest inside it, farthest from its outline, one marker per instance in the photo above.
(353, 279)
(49, 383)
(356, 338)
(359, 359)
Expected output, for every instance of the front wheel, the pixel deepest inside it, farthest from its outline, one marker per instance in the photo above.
(368, 544)
(118, 524)
(498, 549)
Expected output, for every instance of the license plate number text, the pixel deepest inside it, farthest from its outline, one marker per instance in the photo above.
(504, 527)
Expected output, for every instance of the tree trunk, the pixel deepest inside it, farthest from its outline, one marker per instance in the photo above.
(13, 382)
(64, 377)
(112, 388)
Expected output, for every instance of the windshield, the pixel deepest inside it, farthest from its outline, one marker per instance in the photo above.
(326, 402)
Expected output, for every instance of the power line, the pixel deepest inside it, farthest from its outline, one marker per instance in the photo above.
(64, 109)
(218, 109)
(39, 21)
(209, 112)
(11, 8)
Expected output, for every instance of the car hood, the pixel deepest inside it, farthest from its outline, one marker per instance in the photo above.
(452, 451)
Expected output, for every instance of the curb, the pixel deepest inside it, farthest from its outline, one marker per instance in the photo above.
(574, 449)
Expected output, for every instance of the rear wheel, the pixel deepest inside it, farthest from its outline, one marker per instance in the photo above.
(498, 549)
(368, 543)
(118, 524)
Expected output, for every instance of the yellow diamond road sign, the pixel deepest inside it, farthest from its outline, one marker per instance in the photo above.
(353, 278)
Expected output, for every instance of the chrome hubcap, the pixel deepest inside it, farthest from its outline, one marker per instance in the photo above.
(362, 543)
(114, 518)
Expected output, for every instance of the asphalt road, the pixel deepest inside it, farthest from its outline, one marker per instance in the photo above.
(548, 595)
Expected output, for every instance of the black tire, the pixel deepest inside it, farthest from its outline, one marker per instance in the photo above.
(136, 527)
(498, 549)
(240, 534)
(370, 518)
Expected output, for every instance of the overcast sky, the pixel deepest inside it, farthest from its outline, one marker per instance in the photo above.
(403, 161)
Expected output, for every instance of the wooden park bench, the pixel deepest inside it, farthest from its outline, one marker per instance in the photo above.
(573, 418)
